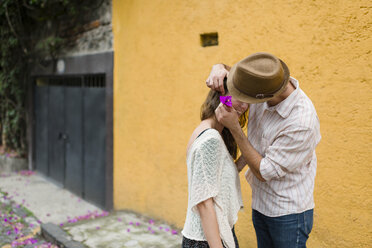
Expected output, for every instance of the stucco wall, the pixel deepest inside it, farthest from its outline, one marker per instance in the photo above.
(159, 75)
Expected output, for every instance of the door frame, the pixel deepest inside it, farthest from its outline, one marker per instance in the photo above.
(82, 64)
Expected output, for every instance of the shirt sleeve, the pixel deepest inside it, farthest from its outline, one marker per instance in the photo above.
(206, 170)
(292, 149)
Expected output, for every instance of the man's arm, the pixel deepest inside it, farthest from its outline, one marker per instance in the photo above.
(240, 163)
(227, 67)
(228, 117)
(216, 77)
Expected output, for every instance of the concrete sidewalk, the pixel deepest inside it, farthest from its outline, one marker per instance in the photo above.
(81, 221)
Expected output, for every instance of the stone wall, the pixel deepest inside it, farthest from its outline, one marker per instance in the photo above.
(94, 36)
(10, 164)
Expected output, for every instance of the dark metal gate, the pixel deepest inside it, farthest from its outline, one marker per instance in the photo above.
(70, 133)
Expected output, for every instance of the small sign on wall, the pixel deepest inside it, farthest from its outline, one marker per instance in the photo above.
(209, 39)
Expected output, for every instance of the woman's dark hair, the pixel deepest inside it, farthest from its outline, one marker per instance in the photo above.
(207, 111)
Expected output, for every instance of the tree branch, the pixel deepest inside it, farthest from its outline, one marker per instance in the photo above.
(13, 30)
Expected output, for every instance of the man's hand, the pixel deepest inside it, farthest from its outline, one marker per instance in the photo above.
(227, 116)
(216, 77)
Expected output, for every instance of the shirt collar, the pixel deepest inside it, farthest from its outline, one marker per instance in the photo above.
(285, 107)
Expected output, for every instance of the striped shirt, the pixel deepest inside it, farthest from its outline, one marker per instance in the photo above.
(286, 136)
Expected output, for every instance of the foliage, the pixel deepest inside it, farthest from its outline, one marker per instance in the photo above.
(30, 32)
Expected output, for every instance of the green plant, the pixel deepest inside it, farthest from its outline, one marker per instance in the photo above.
(31, 31)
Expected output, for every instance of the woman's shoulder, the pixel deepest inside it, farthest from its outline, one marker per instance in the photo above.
(209, 140)
(209, 136)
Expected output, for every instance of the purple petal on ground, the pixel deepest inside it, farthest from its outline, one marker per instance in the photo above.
(137, 223)
(167, 229)
(131, 223)
(128, 230)
(97, 227)
(174, 232)
(152, 231)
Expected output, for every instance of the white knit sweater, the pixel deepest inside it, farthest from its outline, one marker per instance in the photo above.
(212, 172)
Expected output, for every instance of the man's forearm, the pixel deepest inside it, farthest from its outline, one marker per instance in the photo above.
(227, 67)
(251, 156)
(240, 163)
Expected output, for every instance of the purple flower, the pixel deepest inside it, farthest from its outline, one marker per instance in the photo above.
(97, 227)
(119, 219)
(151, 222)
(167, 229)
(131, 223)
(149, 228)
(226, 100)
(8, 232)
(174, 232)
(128, 230)
(137, 223)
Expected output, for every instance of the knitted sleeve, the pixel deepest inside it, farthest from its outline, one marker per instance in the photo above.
(206, 171)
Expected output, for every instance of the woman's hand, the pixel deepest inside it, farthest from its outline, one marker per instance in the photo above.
(209, 223)
(216, 77)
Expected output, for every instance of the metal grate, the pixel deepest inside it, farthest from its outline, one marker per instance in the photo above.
(87, 81)
(94, 81)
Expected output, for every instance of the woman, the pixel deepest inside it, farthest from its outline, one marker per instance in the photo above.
(213, 180)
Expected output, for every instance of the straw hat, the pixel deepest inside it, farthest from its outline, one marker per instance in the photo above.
(257, 78)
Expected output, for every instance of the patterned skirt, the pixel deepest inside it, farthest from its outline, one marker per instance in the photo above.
(189, 243)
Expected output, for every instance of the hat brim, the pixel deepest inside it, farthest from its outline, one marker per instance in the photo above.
(234, 92)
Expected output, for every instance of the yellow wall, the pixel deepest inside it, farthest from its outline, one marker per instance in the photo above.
(159, 75)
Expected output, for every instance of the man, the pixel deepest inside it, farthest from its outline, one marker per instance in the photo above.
(283, 131)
